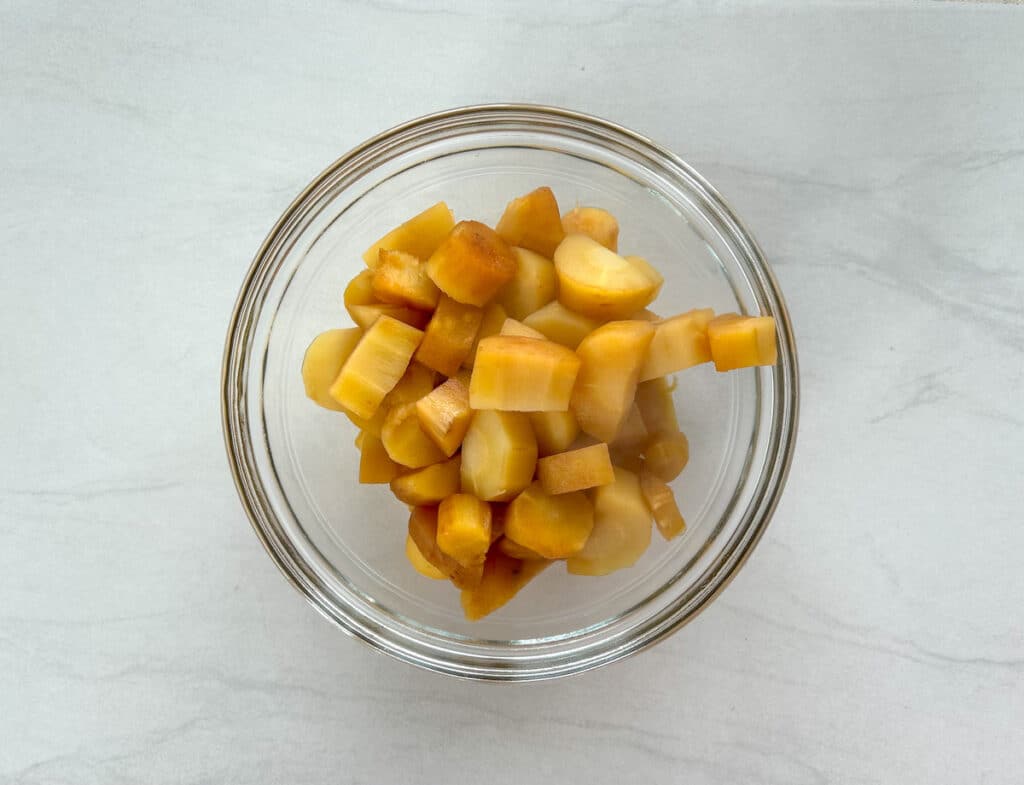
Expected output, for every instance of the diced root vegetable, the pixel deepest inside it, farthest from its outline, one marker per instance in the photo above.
(554, 527)
(323, 362)
(360, 291)
(464, 528)
(575, 470)
(512, 373)
(420, 564)
(666, 454)
(502, 579)
(533, 286)
(533, 222)
(401, 278)
(375, 366)
(513, 327)
(597, 224)
(375, 465)
(601, 284)
(499, 455)
(445, 414)
(555, 431)
(449, 336)
(366, 315)
(429, 485)
(606, 383)
(406, 441)
(561, 325)
(662, 503)
(515, 550)
(493, 319)
(679, 342)
(742, 341)
(632, 435)
(423, 531)
(622, 528)
(419, 236)
(654, 401)
(472, 263)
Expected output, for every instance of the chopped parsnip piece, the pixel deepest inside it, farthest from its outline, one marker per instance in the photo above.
(429, 485)
(533, 286)
(622, 528)
(405, 440)
(555, 431)
(420, 564)
(598, 224)
(499, 455)
(419, 236)
(666, 454)
(561, 325)
(375, 366)
(449, 336)
(323, 362)
(464, 528)
(401, 279)
(532, 221)
(611, 357)
(679, 342)
(575, 470)
(502, 579)
(375, 465)
(553, 526)
(742, 341)
(601, 284)
(662, 502)
(445, 414)
(472, 263)
(512, 373)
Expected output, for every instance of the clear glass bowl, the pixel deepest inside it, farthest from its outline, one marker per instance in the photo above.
(342, 544)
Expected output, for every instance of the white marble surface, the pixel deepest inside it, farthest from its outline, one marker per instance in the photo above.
(877, 152)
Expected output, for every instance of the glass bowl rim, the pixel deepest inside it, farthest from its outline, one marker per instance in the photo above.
(536, 666)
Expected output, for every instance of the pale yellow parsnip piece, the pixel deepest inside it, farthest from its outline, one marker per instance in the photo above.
(622, 528)
(601, 284)
(401, 278)
(742, 341)
(375, 366)
(375, 465)
(555, 431)
(419, 236)
(429, 485)
(533, 222)
(606, 383)
(503, 577)
(445, 414)
(421, 565)
(499, 455)
(512, 373)
(679, 342)
(552, 526)
(472, 263)
(533, 286)
(575, 470)
(561, 325)
(598, 224)
(464, 528)
(323, 361)
(662, 503)
(405, 440)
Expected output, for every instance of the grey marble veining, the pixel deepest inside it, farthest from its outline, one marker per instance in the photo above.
(875, 150)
